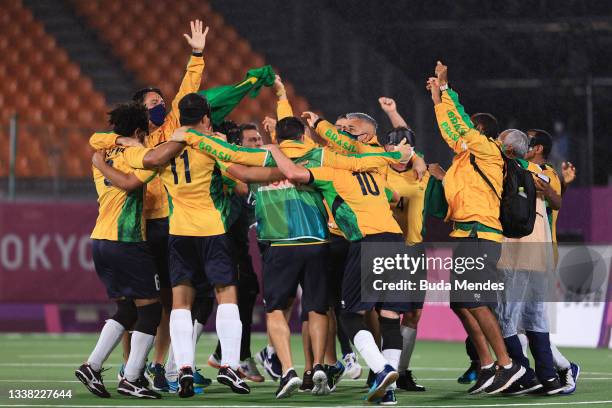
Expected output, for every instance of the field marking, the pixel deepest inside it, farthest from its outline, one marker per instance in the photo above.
(343, 380)
(523, 404)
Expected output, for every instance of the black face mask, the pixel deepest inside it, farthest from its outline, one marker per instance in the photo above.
(349, 134)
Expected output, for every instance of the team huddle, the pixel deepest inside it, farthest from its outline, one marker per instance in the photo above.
(179, 193)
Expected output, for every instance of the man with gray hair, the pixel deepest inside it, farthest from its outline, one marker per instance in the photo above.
(526, 264)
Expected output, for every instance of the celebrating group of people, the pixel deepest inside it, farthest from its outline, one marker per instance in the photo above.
(179, 192)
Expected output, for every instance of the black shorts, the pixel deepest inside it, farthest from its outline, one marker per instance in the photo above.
(418, 296)
(285, 267)
(127, 269)
(157, 239)
(473, 247)
(338, 250)
(202, 261)
(351, 282)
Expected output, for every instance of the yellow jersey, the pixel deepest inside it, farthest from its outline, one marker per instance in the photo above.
(156, 203)
(120, 214)
(409, 212)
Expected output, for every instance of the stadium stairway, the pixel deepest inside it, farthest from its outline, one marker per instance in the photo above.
(317, 51)
(83, 46)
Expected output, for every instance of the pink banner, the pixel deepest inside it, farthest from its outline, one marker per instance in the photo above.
(45, 253)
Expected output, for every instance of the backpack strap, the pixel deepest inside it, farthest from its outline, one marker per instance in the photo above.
(484, 177)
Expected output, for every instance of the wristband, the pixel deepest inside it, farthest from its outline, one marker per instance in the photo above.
(443, 87)
(197, 54)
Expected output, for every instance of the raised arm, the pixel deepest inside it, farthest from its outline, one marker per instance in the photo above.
(390, 108)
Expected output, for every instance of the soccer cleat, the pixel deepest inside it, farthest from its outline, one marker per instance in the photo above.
(138, 389)
(406, 382)
(485, 378)
(121, 372)
(569, 378)
(156, 376)
(521, 387)
(552, 386)
(505, 377)
(199, 381)
(307, 383)
(288, 384)
(270, 363)
(388, 398)
(185, 383)
(352, 367)
(214, 361)
(471, 374)
(229, 377)
(319, 380)
(248, 369)
(381, 381)
(334, 375)
(92, 379)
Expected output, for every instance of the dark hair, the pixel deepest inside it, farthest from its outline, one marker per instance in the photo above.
(140, 94)
(246, 126)
(542, 138)
(343, 116)
(396, 135)
(488, 123)
(193, 108)
(126, 118)
(290, 128)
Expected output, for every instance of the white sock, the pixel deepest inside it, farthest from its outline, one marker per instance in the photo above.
(140, 346)
(484, 367)
(524, 342)
(171, 370)
(229, 331)
(367, 348)
(270, 349)
(109, 338)
(559, 359)
(408, 341)
(392, 356)
(197, 332)
(181, 336)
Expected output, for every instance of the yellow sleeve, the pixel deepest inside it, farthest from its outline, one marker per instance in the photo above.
(555, 182)
(135, 155)
(450, 134)
(191, 83)
(322, 173)
(341, 142)
(283, 109)
(358, 162)
(103, 140)
(145, 175)
(227, 152)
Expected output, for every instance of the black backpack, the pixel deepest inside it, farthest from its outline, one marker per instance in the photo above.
(517, 211)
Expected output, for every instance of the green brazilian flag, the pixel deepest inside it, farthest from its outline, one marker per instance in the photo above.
(223, 99)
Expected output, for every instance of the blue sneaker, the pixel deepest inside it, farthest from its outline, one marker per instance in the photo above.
(199, 380)
(388, 398)
(381, 381)
(270, 363)
(156, 376)
(121, 372)
(471, 374)
(569, 378)
(172, 386)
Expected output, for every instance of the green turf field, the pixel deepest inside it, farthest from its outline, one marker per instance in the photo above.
(41, 362)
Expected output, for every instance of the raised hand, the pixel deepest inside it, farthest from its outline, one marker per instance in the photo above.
(197, 41)
(310, 117)
(568, 171)
(279, 87)
(387, 104)
(269, 124)
(433, 85)
(441, 72)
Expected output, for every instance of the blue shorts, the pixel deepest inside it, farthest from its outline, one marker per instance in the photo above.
(157, 239)
(127, 269)
(201, 261)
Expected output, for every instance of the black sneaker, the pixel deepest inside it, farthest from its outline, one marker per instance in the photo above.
(156, 375)
(484, 379)
(319, 379)
(185, 380)
(334, 375)
(552, 386)
(521, 387)
(288, 384)
(307, 383)
(229, 377)
(406, 382)
(138, 389)
(471, 374)
(505, 377)
(92, 379)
